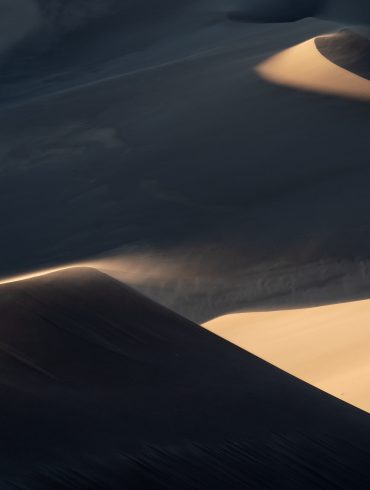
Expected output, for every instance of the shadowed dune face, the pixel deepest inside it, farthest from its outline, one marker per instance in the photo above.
(142, 137)
(275, 10)
(350, 11)
(326, 346)
(125, 161)
(50, 38)
(97, 383)
(21, 18)
(38, 24)
(348, 50)
(138, 123)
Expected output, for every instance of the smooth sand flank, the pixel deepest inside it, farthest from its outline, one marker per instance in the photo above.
(304, 67)
(327, 346)
(99, 384)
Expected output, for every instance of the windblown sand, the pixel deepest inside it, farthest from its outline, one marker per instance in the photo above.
(327, 346)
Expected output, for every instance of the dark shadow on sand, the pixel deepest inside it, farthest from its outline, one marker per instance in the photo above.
(280, 12)
(100, 388)
(348, 50)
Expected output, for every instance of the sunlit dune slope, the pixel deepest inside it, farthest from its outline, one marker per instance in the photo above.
(304, 67)
(97, 383)
(327, 346)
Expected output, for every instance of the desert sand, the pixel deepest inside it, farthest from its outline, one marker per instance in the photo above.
(119, 143)
(304, 67)
(116, 160)
(101, 386)
(185, 148)
(327, 346)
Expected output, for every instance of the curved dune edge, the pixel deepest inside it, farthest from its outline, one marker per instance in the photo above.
(328, 346)
(42, 272)
(129, 269)
(304, 67)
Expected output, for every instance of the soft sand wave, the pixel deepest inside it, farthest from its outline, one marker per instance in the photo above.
(100, 385)
(327, 346)
(203, 282)
(304, 67)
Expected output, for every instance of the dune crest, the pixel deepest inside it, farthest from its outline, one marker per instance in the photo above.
(304, 67)
(347, 49)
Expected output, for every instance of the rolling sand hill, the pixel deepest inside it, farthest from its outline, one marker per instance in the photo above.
(150, 130)
(326, 346)
(102, 388)
(140, 129)
(323, 65)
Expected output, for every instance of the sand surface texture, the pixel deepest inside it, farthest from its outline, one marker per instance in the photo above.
(100, 386)
(327, 346)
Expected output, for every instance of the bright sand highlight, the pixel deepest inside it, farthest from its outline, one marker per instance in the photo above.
(304, 67)
(327, 346)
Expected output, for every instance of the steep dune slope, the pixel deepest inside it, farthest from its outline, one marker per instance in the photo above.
(348, 50)
(326, 346)
(337, 64)
(100, 386)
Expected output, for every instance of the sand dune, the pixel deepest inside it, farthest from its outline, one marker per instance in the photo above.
(327, 346)
(112, 164)
(99, 384)
(137, 135)
(347, 49)
(304, 67)
(353, 12)
(162, 98)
